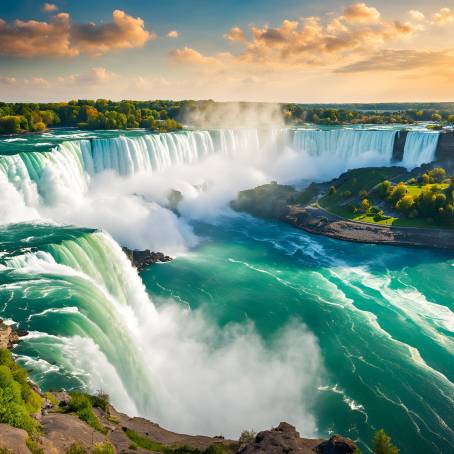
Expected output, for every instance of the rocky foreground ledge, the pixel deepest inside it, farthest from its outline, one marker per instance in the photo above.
(62, 432)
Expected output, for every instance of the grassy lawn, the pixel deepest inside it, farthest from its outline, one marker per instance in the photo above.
(356, 181)
(415, 190)
(370, 219)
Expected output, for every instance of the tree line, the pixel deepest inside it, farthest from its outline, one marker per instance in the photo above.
(89, 114)
(165, 115)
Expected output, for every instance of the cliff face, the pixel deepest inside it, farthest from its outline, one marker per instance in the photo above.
(399, 146)
(8, 336)
(445, 148)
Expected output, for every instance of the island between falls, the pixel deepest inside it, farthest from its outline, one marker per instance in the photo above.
(368, 205)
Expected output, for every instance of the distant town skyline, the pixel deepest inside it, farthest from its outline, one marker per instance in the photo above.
(329, 51)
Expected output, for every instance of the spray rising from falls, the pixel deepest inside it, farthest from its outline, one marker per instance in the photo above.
(83, 182)
(168, 363)
(420, 148)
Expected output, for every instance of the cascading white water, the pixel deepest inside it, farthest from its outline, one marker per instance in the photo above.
(140, 354)
(420, 148)
(352, 147)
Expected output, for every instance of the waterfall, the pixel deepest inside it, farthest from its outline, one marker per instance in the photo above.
(109, 306)
(352, 147)
(420, 148)
(92, 322)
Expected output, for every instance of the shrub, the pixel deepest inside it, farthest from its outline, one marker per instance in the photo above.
(384, 188)
(215, 448)
(383, 445)
(101, 400)
(14, 410)
(405, 204)
(247, 436)
(81, 404)
(76, 448)
(437, 175)
(103, 448)
(397, 192)
(33, 446)
(365, 205)
(332, 190)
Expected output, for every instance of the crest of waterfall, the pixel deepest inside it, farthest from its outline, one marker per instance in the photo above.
(353, 147)
(420, 148)
(93, 268)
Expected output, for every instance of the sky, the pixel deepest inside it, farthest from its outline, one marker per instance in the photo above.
(327, 51)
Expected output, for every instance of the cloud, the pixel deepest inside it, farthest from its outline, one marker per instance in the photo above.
(125, 32)
(311, 41)
(61, 38)
(8, 80)
(416, 15)
(173, 34)
(444, 16)
(94, 76)
(360, 12)
(235, 34)
(191, 56)
(401, 60)
(34, 39)
(37, 82)
(49, 7)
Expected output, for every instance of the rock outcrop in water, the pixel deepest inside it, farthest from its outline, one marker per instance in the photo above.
(143, 259)
(9, 336)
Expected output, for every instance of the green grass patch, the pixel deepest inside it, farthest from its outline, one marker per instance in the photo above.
(349, 186)
(414, 189)
(370, 218)
(152, 445)
(82, 405)
(33, 446)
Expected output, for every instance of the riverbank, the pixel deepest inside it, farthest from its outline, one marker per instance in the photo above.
(301, 210)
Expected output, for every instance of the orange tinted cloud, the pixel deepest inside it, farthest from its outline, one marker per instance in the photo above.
(360, 12)
(173, 34)
(49, 7)
(125, 32)
(60, 37)
(401, 60)
(310, 41)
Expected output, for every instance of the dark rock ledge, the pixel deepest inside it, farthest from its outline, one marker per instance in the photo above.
(143, 259)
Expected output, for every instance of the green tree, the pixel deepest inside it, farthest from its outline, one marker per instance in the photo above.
(10, 124)
(436, 117)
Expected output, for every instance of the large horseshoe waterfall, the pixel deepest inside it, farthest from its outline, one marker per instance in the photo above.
(183, 343)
